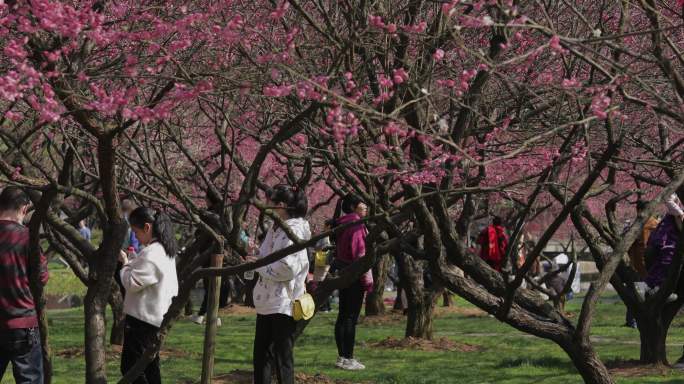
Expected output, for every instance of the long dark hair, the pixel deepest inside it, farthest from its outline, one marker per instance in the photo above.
(346, 205)
(293, 197)
(162, 228)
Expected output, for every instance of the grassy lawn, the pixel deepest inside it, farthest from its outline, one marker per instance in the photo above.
(63, 281)
(505, 355)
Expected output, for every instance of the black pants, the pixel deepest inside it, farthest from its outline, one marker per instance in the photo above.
(138, 335)
(273, 346)
(351, 301)
(326, 306)
(22, 348)
(224, 295)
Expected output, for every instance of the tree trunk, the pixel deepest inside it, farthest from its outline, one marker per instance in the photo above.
(118, 317)
(587, 362)
(95, 330)
(45, 341)
(188, 308)
(421, 299)
(375, 302)
(419, 319)
(653, 327)
(448, 299)
(398, 301)
(653, 349)
(248, 289)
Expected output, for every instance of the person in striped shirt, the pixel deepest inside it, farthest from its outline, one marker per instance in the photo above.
(19, 334)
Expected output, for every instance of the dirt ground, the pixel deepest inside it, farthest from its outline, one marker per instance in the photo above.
(435, 345)
(392, 316)
(245, 377)
(114, 353)
(455, 309)
(237, 310)
(630, 368)
(389, 317)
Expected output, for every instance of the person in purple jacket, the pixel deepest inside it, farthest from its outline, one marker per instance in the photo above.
(350, 246)
(663, 243)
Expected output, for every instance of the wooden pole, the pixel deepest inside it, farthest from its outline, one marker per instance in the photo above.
(212, 315)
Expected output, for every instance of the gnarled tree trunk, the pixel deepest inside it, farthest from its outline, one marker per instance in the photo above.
(587, 362)
(421, 298)
(653, 327)
(118, 324)
(420, 314)
(375, 303)
(448, 300)
(95, 330)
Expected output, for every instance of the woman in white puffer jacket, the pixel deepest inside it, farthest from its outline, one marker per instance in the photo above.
(279, 284)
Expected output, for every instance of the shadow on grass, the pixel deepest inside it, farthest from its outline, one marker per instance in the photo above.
(541, 362)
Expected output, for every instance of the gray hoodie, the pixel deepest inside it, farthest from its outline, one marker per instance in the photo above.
(284, 280)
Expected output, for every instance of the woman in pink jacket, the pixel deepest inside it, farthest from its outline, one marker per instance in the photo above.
(350, 246)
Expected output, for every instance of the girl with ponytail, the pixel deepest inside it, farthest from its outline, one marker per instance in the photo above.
(151, 283)
(279, 284)
(350, 246)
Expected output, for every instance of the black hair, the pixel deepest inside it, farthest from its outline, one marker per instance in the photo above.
(293, 197)
(350, 202)
(162, 228)
(345, 205)
(496, 220)
(13, 198)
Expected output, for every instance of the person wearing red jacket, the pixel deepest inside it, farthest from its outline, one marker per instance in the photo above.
(493, 242)
(350, 245)
(19, 334)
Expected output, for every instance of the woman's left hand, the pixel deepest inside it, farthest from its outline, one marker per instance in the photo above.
(251, 259)
(123, 257)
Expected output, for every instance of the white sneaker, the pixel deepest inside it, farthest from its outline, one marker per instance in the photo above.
(340, 361)
(197, 319)
(352, 365)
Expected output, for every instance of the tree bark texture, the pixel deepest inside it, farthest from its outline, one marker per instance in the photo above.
(118, 317)
(588, 363)
(421, 299)
(95, 352)
(375, 303)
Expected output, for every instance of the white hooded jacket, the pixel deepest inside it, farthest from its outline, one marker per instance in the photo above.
(284, 280)
(151, 283)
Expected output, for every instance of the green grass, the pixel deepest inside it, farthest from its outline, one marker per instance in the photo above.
(63, 281)
(507, 355)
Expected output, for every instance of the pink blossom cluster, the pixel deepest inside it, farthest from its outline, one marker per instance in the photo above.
(415, 28)
(342, 124)
(309, 90)
(424, 176)
(447, 8)
(393, 128)
(399, 76)
(280, 10)
(462, 85)
(278, 90)
(351, 89)
(438, 55)
(599, 104)
(578, 152)
(555, 45)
